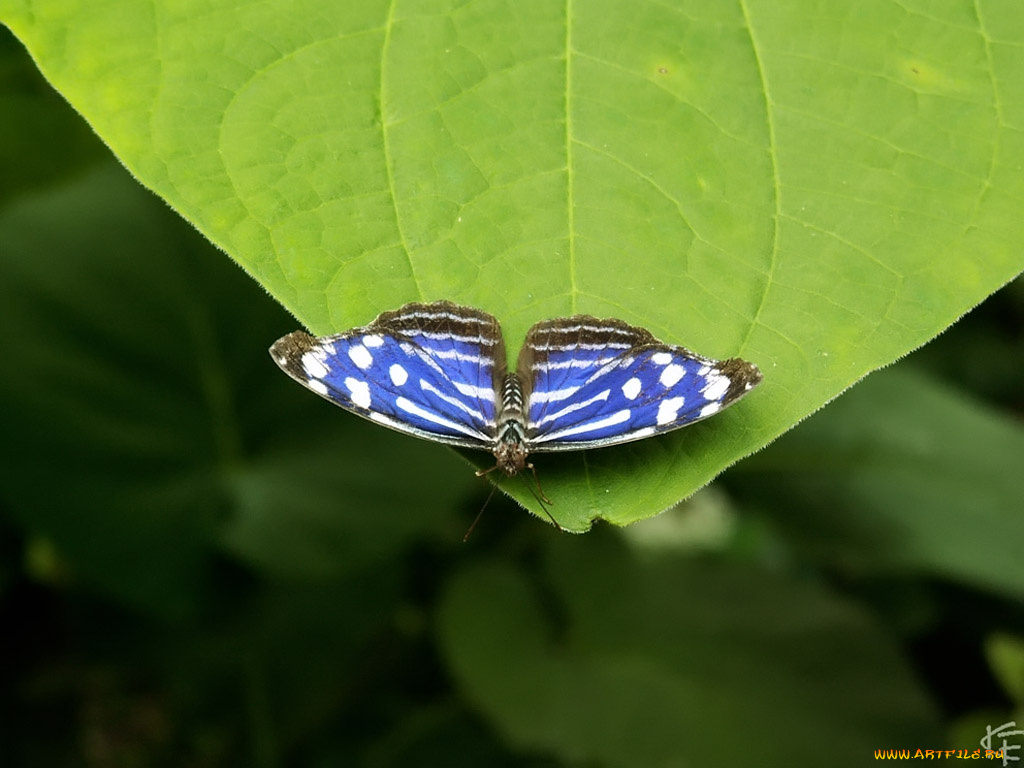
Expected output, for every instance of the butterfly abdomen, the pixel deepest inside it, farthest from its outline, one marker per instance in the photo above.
(511, 450)
(511, 399)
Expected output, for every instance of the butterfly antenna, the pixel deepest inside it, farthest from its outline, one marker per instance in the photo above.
(538, 494)
(480, 513)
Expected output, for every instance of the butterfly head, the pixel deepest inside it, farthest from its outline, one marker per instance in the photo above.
(510, 454)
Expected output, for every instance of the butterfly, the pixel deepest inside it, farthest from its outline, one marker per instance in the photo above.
(438, 371)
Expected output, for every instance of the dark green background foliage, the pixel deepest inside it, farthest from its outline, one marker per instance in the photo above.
(204, 565)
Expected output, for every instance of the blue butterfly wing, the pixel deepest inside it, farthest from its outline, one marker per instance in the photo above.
(426, 369)
(591, 383)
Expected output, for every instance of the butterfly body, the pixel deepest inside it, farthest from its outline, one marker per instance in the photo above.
(439, 371)
(511, 449)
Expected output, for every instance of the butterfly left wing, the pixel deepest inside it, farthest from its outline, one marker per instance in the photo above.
(426, 369)
(590, 383)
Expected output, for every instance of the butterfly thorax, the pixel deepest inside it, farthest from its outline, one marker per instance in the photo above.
(510, 449)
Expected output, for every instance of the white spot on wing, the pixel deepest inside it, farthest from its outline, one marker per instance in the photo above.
(462, 357)
(631, 388)
(360, 391)
(398, 375)
(709, 409)
(672, 374)
(383, 419)
(361, 356)
(552, 395)
(313, 365)
(620, 362)
(603, 395)
(574, 363)
(661, 358)
(668, 411)
(548, 347)
(410, 407)
(485, 340)
(590, 426)
(317, 386)
(590, 328)
(373, 341)
(716, 387)
(479, 393)
(428, 387)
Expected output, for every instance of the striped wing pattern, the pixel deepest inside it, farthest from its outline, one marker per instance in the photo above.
(438, 371)
(428, 370)
(590, 383)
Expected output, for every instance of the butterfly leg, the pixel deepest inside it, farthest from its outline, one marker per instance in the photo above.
(540, 491)
(538, 494)
(542, 499)
(483, 472)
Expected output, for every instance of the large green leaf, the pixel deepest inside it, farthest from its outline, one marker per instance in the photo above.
(818, 189)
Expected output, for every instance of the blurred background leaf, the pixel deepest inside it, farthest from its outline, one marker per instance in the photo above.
(639, 646)
(890, 476)
(176, 436)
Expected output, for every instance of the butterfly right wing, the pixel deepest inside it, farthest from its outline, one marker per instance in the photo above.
(591, 383)
(428, 370)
